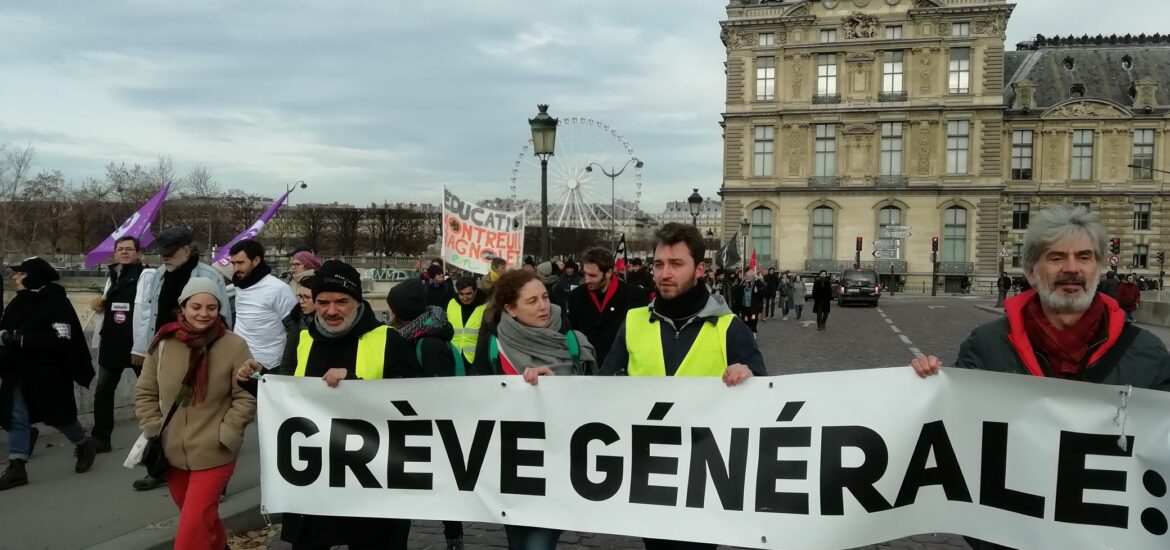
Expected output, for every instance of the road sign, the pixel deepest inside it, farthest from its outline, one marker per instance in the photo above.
(898, 228)
(1005, 252)
(885, 244)
(885, 254)
(895, 233)
(1114, 260)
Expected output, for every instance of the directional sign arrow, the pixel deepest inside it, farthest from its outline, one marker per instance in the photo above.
(896, 234)
(898, 228)
(885, 254)
(885, 243)
(937, 307)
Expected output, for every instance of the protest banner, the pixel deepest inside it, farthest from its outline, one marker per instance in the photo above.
(473, 235)
(810, 461)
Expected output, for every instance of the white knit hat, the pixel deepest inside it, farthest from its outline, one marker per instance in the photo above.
(199, 285)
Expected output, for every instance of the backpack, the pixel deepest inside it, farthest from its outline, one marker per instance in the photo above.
(570, 342)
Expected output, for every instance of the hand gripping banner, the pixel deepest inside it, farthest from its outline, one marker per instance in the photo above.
(801, 462)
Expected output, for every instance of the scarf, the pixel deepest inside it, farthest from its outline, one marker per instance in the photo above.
(432, 321)
(609, 292)
(687, 305)
(194, 388)
(542, 347)
(1066, 350)
(254, 277)
(323, 329)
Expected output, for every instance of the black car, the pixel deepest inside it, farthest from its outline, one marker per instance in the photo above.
(859, 286)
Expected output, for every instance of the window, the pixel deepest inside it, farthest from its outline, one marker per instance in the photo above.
(1141, 256)
(1143, 154)
(1022, 155)
(955, 235)
(828, 35)
(827, 74)
(892, 72)
(765, 78)
(822, 240)
(1021, 211)
(767, 39)
(1141, 216)
(761, 233)
(961, 29)
(958, 141)
(894, 32)
(1082, 155)
(891, 149)
(764, 149)
(959, 77)
(887, 216)
(1088, 206)
(825, 152)
(1017, 254)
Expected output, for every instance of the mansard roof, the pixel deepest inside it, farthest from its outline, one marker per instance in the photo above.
(1065, 69)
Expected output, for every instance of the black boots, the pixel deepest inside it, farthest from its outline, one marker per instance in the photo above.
(86, 453)
(14, 476)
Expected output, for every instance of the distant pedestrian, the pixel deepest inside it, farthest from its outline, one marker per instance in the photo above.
(191, 366)
(439, 289)
(798, 294)
(43, 353)
(499, 267)
(822, 295)
(1063, 329)
(303, 264)
(569, 280)
(1110, 285)
(114, 337)
(772, 281)
(786, 290)
(751, 291)
(465, 315)
(1129, 297)
(298, 320)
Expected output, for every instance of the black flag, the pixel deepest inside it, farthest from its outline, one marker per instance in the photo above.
(729, 254)
(620, 259)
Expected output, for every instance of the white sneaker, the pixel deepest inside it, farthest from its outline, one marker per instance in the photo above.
(784, 319)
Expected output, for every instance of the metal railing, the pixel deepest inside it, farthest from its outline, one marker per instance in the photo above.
(883, 266)
(956, 268)
(886, 97)
(826, 99)
(892, 181)
(824, 181)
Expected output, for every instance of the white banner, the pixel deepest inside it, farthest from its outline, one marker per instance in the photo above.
(810, 461)
(473, 235)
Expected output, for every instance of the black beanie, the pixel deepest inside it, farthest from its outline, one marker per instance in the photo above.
(37, 273)
(338, 276)
(407, 299)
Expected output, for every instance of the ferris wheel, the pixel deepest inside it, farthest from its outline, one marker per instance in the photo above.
(594, 179)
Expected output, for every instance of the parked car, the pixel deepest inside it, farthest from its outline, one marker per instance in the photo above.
(859, 286)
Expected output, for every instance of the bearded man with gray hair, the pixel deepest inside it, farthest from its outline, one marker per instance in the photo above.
(1063, 327)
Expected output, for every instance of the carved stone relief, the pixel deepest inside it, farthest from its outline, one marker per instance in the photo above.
(1085, 109)
(924, 61)
(923, 149)
(1051, 155)
(1025, 95)
(794, 150)
(737, 39)
(995, 26)
(797, 75)
(1114, 154)
(1146, 90)
(860, 25)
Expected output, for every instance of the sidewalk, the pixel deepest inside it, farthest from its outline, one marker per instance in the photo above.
(63, 510)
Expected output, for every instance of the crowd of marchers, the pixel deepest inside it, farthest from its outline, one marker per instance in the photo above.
(199, 343)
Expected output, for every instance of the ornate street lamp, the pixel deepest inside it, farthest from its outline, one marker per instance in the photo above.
(695, 201)
(612, 175)
(544, 140)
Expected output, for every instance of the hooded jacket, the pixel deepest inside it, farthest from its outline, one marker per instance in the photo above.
(149, 294)
(677, 341)
(48, 355)
(1123, 355)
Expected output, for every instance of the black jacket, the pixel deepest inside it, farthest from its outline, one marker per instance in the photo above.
(439, 295)
(559, 294)
(601, 328)
(310, 530)
(1004, 283)
(294, 323)
(822, 294)
(642, 279)
(118, 320)
(47, 356)
(759, 293)
(1109, 287)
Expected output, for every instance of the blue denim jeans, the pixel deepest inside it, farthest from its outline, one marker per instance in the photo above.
(1129, 316)
(531, 538)
(18, 436)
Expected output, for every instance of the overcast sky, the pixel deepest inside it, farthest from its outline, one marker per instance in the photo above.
(390, 100)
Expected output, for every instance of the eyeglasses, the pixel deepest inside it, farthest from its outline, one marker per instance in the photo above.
(304, 297)
(296, 263)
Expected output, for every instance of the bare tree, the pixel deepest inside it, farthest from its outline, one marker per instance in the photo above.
(14, 169)
(312, 224)
(40, 203)
(203, 187)
(347, 222)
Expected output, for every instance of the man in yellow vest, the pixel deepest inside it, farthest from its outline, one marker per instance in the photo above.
(465, 313)
(346, 342)
(685, 331)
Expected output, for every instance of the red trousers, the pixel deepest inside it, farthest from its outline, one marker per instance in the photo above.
(196, 493)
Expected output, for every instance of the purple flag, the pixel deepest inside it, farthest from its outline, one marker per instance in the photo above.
(137, 226)
(221, 258)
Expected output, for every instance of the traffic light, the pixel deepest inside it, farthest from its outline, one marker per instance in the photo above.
(859, 244)
(1115, 245)
(934, 244)
(1160, 256)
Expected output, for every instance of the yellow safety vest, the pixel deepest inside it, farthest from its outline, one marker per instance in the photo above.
(371, 353)
(466, 337)
(707, 356)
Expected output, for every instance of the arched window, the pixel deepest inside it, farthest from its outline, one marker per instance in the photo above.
(887, 216)
(762, 233)
(954, 235)
(822, 233)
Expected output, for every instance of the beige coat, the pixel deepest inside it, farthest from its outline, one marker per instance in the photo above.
(200, 436)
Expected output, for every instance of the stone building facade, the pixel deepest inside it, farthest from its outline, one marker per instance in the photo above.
(845, 116)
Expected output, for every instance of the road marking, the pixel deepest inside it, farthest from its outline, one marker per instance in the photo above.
(905, 339)
(890, 321)
(917, 352)
(937, 307)
(894, 328)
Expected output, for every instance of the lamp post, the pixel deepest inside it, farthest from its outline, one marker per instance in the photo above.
(1000, 294)
(695, 201)
(744, 226)
(612, 175)
(544, 139)
(299, 184)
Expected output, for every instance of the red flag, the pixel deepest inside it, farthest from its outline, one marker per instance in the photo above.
(752, 265)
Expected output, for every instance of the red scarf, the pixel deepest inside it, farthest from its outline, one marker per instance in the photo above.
(1067, 350)
(613, 283)
(198, 343)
